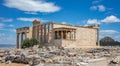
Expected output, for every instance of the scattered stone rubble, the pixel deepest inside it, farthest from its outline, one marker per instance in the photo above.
(107, 56)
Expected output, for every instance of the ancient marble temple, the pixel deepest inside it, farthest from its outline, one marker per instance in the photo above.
(60, 35)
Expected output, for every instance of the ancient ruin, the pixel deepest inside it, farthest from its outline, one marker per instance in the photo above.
(60, 35)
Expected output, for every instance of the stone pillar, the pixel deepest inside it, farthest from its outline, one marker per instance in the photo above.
(17, 41)
(52, 25)
(48, 32)
(74, 35)
(61, 34)
(98, 37)
(33, 34)
(25, 35)
(65, 34)
(37, 33)
(21, 39)
(57, 34)
(45, 33)
(70, 35)
(41, 38)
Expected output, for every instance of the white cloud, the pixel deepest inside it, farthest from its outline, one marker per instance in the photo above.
(8, 30)
(96, 1)
(2, 35)
(7, 39)
(117, 37)
(31, 13)
(32, 5)
(111, 33)
(92, 22)
(11, 25)
(110, 19)
(5, 19)
(100, 8)
(63, 22)
(27, 19)
(12, 30)
(108, 32)
(1, 25)
(93, 7)
(30, 19)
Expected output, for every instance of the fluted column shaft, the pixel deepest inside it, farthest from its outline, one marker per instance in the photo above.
(17, 41)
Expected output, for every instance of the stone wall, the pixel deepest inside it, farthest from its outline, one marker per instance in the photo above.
(85, 37)
(29, 34)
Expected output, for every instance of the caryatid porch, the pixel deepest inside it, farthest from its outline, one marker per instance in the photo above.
(65, 33)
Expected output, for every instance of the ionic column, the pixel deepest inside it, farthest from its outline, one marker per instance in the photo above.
(70, 35)
(33, 34)
(98, 37)
(21, 39)
(25, 35)
(37, 32)
(74, 34)
(61, 34)
(57, 34)
(52, 26)
(48, 31)
(65, 34)
(45, 33)
(17, 41)
(41, 34)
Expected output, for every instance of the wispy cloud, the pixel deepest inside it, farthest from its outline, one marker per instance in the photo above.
(92, 22)
(93, 7)
(5, 19)
(63, 22)
(8, 30)
(30, 19)
(35, 13)
(109, 31)
(110, 19)
(7, 39)
(1, 25)
(96, 1)
(32, 6)
(11, 25)
(100, 8)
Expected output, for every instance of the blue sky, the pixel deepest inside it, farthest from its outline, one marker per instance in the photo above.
(19, 13)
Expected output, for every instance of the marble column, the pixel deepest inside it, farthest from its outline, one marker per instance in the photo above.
(33, 34)
(41, 33)
(74, 35)
(57, 37)
(65, 34)
(61, 34)
(37, 33)
(45, 33)
(25, 35)
(17, 41)
(98, 37)
(48, 32)
(21, 39)
(70, 35)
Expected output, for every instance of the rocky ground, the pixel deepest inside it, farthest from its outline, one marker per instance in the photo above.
(52, 56)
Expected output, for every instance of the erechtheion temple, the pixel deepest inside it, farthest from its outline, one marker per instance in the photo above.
(61, 35)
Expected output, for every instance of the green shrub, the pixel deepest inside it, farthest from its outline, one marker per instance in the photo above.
(33, 42)
(29, 43)
(25, 43)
